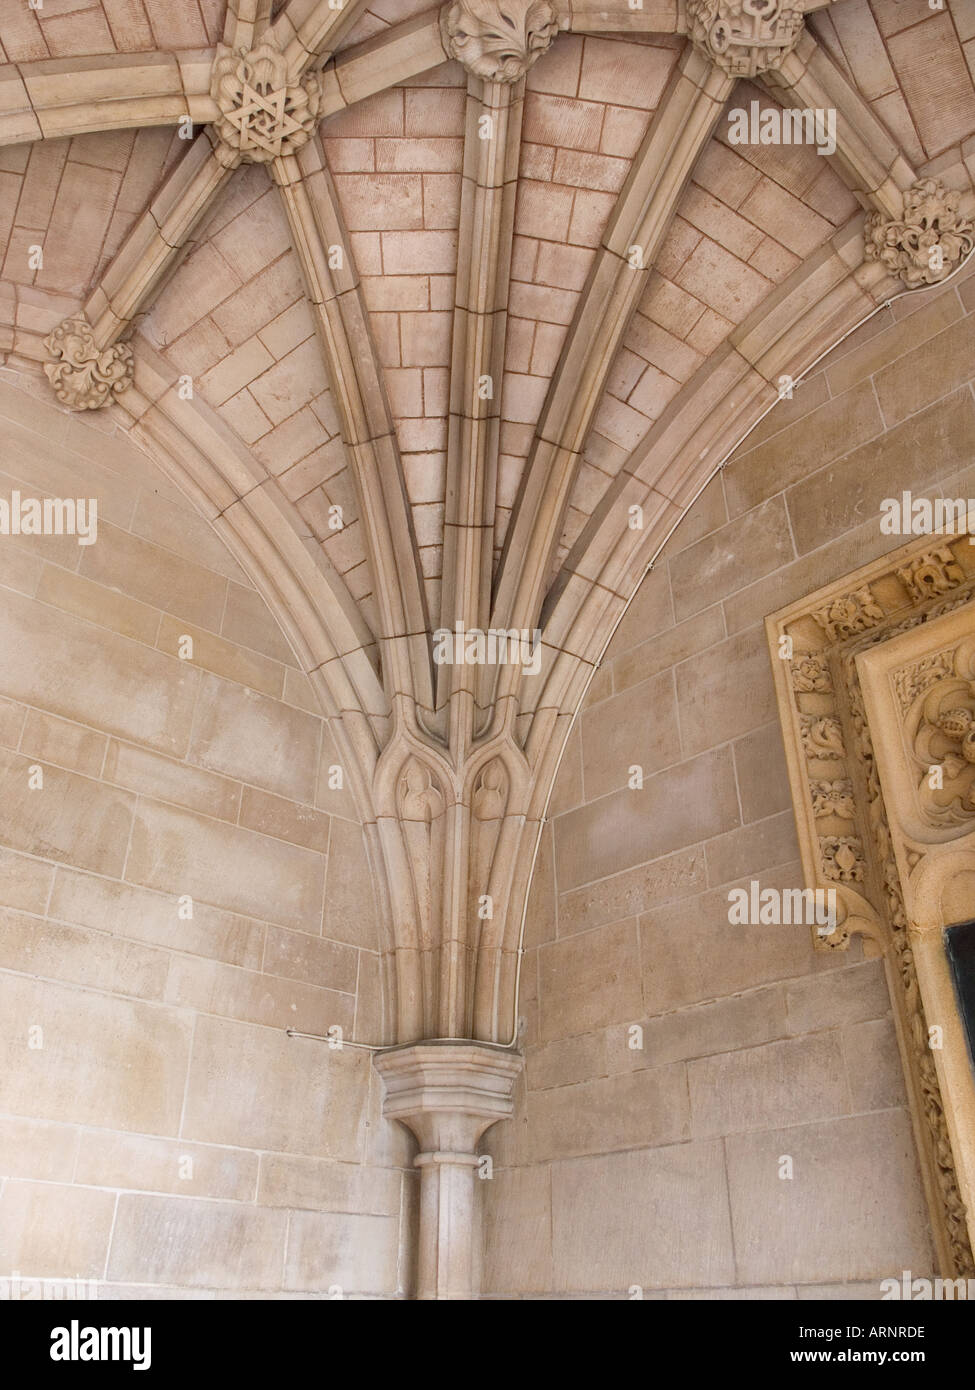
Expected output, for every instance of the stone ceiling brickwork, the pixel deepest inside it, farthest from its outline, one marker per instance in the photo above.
(747, 219)
(81, 28)
(75, 28)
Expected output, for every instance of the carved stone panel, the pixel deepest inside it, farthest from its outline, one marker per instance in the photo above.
(942, 733)
(875, 677)
(918, 692)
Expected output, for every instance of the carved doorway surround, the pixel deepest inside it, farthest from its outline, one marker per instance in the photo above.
(875, 680)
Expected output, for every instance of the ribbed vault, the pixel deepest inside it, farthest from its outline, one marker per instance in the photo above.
(446, 318)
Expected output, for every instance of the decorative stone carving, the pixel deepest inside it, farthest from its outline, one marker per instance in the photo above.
(843, 860)
(420, 806)
(945, 738)
(498, 40)
(834, 722)
(489, 803)
(846, 616)
(810, 674)
(490, 791)
(85, 377)
(833, 799)
(936, 1149)
(262, 114)
(928, 242)
(934, 573)
(420, 799)
(822, 737)
(745, 37)
(450, 841)
(914, 680)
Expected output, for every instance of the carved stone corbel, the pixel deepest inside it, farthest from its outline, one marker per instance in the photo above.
(499, 40)
(450, 835)
(928, 241)
(83, 376)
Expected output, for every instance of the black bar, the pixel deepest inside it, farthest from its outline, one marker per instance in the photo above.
(314, 1340)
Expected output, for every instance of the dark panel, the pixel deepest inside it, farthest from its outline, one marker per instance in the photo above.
(960, 946)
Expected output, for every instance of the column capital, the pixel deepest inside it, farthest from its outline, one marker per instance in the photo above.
(448, 1093)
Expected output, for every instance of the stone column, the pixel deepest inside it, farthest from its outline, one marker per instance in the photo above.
(448, 1094)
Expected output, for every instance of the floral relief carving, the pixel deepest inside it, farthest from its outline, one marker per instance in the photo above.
(944, 743)
(498, 40)
(928, 241)
(810, 674)
(843, 859)
(745, 37)
(262, 114)
(914, 680)
(833, 799)
(934, 573)
(85, 377)
(852, 613)
(822, 736)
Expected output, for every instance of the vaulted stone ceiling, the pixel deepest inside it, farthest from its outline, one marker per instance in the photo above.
(438, 327)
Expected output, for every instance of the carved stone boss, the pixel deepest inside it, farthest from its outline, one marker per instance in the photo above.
(745, 37)
(928, 241)
(263, 114)
(83, 376)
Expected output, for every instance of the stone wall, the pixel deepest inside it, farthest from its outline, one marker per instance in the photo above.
(660, 1167)
(159, 1131)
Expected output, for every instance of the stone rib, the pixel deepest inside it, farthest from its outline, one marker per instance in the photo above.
(245, 22)
(153, 248)
(684, 122)
(480, 321)
(870, 161)
(356, 379)
(54, 98)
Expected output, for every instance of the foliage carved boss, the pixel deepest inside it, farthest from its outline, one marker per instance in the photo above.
(498, 40)
(262, 114)
(85, 376)
(745, 37)
(928, 242)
